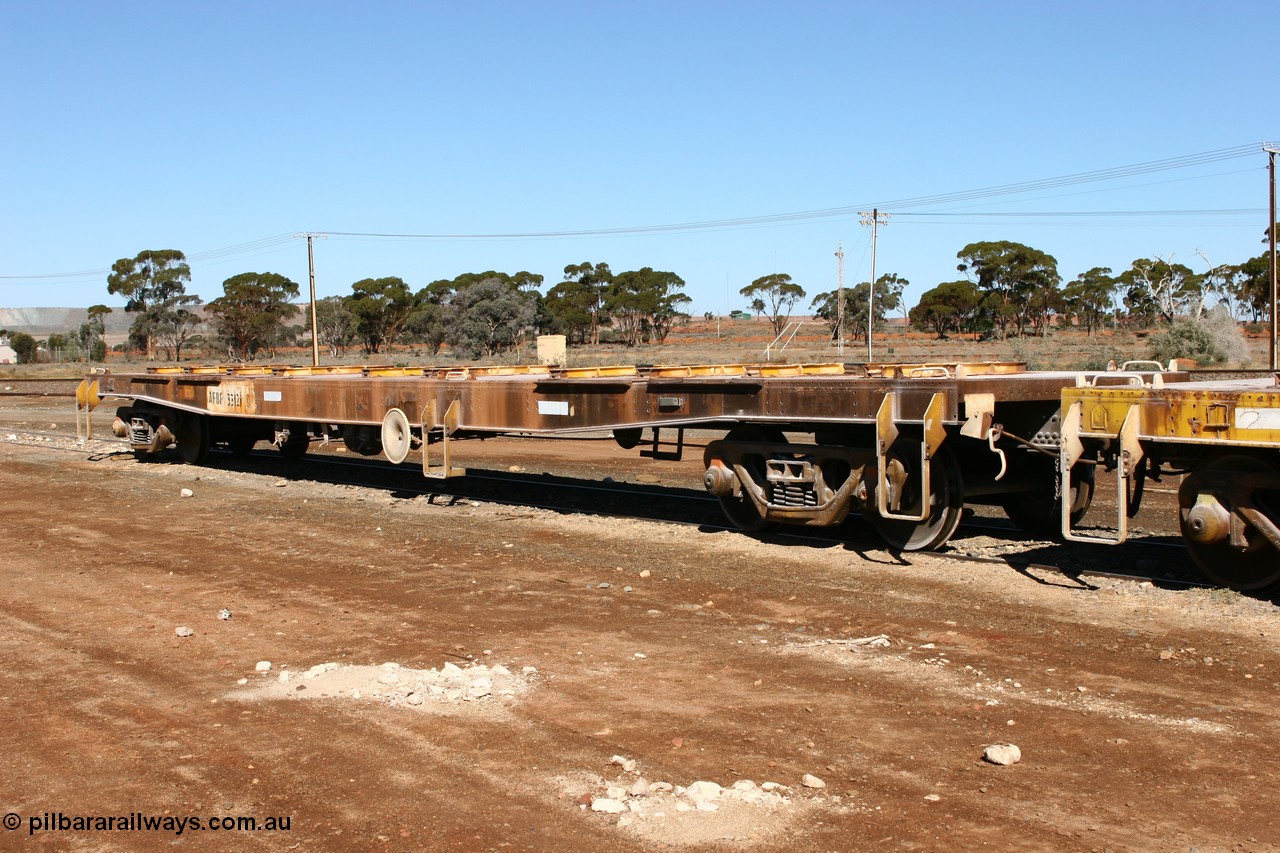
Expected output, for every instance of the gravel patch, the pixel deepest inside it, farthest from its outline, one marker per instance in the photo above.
(394, 685)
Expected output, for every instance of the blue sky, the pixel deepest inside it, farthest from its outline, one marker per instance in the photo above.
(222, 128)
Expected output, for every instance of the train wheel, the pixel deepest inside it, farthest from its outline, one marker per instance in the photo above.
(738, 507)
(946, 501)
(193, 439)
(295, 446)
(1040, 514)
(1205, 515)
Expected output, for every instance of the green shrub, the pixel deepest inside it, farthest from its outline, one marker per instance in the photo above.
(25, 347)
(1213, 339)
(1095, 358)
(1186, 339)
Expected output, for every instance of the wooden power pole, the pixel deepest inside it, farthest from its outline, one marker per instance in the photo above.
(875, 219)
(1271, 234)
(840, 299)
(311, 272)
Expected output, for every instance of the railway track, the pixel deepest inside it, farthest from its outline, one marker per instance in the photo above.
(985, 540)
(36, 387)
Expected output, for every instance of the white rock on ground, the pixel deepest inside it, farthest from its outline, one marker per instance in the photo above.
(811, 781)
(627, 764)
(183, 631)
(1003, 754)
(607, 805)
(699, 791)
(262, 666)
(396, 685)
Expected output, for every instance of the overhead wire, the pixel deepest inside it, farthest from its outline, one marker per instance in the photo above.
(901, 207)
(1094, 176)
(194, 258)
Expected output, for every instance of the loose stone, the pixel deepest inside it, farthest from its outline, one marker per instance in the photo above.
(1003, 754)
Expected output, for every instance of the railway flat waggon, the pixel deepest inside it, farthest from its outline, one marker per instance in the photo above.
(905, 445)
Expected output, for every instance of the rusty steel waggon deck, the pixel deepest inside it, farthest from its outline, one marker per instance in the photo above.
(906, 445)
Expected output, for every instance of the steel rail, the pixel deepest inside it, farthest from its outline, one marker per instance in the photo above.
(811, 537)
(648, 491)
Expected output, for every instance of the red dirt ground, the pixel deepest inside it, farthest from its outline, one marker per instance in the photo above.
(1147, 718)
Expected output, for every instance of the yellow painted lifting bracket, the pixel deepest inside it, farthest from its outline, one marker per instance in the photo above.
(1130, 454)
(886, 435)
(431, 421)
(87, 400)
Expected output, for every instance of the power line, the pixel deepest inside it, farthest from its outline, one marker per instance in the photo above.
(195, 258)
(1239, 211)
(1098, 175)
(898, 205)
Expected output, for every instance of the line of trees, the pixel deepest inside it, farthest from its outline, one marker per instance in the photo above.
(86, 344)
(1008, 290)
(488, 313)
(1011, 289)
(481, 314)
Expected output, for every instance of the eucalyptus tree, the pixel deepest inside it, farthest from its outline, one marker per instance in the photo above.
(644, 304)
(153, 284)
(887, 297)
(952, 306)
(589, 282)
(490, 317)
(251, 313)
(773, 296)
(1171, 288)
(382, 307)
(1017, 281)
(1090, 298)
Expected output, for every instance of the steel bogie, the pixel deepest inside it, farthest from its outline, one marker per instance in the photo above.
(1229, 509)
(761, 479)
